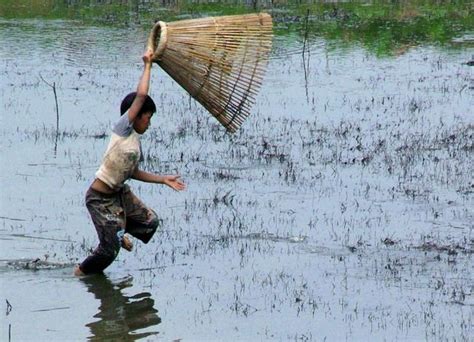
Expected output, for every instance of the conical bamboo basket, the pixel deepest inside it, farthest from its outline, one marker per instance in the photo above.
(219, 61)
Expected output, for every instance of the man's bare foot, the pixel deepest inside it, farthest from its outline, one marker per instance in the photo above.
(127, 244)
(78, 272)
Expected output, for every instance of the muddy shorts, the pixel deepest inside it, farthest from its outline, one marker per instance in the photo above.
(114, 215)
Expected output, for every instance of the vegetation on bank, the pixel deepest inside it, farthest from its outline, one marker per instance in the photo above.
(382, 28)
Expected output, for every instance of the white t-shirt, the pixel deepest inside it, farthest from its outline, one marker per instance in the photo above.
(122, 155)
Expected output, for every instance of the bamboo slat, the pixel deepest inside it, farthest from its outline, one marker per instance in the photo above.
(219, 61)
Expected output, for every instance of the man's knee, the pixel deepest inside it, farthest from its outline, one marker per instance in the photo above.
(150, 228)
(154, 221)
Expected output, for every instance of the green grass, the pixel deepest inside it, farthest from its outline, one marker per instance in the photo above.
(383, 29)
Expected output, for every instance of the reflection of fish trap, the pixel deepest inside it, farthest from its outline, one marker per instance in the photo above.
(219, 61)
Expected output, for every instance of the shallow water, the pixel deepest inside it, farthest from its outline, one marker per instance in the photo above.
(342, 209)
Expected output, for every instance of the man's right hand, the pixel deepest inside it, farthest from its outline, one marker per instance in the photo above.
(147, 56)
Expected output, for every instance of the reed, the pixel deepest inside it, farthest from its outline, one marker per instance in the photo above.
(219, 61)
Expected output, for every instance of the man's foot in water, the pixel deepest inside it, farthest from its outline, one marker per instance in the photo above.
(78, 272)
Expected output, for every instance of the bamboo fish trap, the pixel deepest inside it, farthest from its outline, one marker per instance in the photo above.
(219, 61)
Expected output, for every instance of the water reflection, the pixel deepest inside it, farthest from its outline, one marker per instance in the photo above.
(120, 316)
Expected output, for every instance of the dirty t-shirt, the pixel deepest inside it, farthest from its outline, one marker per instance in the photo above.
(122, 155)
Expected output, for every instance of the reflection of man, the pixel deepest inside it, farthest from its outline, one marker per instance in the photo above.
(120, 316)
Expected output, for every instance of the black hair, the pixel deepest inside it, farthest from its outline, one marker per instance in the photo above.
(148, 105)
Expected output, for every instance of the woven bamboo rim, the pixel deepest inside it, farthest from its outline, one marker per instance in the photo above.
(219, 61)
(159, 29)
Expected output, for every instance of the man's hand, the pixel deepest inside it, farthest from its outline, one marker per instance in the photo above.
(147, 56)
(142, 88)
(174, 182)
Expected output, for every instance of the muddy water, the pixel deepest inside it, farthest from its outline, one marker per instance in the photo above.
(342, 209)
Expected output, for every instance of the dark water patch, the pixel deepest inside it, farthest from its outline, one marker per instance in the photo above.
(24, 236)
(260, 236)
(452, 250)
(34, 265)
(275, 238)
(120, 315)
(11, 218)
(52, 309)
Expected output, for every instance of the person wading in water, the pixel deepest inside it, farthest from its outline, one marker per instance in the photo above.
(114, 209)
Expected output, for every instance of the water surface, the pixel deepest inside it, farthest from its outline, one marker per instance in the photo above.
(342, 209)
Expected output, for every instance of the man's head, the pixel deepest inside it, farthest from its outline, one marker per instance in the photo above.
(142, 121)
(148, 105)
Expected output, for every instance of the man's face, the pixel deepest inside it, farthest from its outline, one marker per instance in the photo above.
(142, 123)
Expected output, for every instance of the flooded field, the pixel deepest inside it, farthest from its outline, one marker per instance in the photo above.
(342, 210)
